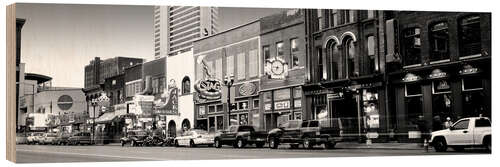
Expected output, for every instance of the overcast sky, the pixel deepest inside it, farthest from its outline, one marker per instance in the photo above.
(59, 40)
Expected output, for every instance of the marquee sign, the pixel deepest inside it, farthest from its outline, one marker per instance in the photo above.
(209, 88)
(276, 68)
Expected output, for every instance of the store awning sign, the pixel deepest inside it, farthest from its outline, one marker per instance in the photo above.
(468, 69)
(438, 74)
(411, 78)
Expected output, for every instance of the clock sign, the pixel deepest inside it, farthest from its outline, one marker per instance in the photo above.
(276, 68)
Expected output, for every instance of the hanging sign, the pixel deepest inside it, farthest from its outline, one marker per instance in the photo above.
(209, 88)
(276, 68)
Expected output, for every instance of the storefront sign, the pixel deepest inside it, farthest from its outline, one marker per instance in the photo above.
(143, 104)
(281, 105)
(437, 74)
(276, 68)
(335, 95)
(169, 102)
(120, 109)
(468, 69)
(209, 88)
(318, 92)
(247, 89)
(411, 78)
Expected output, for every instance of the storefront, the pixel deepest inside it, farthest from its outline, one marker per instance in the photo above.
(281, 105)
(456, 90)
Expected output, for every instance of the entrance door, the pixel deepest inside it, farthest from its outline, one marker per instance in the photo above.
(347, 110)
(171, 129)
(271, 120)
(211, 124)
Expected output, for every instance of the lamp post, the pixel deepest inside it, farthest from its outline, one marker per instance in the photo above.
(94, 104)
(228, 81)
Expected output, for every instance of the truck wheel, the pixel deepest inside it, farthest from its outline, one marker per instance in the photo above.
(217, 143)
(273, 143)
(440, 145)
(191, 144)
(240, 143)
(307, 143)
(487, 142)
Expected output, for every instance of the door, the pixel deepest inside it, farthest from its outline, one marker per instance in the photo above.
(172, 129)
(460, 133)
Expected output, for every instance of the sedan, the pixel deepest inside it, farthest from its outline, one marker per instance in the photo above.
(195, 137)
(48, 138)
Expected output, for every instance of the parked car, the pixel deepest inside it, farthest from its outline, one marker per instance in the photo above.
(466, 132)
(193, 138)
(80, 138)
(34, 137)
(62, 139)
(326, 132)
(239, 136)
(48, 138)
(134, 137)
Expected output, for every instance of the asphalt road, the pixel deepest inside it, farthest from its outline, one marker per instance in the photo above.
(51, 154)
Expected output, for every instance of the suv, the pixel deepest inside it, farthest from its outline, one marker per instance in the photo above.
(134, 137)
(326, 132)
(239, 136)
(466, 132)
(80, 138)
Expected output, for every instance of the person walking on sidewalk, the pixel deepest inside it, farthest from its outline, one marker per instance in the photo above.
(448, 123)
(423, 128)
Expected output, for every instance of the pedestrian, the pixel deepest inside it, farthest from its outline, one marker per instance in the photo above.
(448, 123)
(437, 124)
(423, 128)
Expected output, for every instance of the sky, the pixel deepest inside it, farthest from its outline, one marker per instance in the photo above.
(58, 40)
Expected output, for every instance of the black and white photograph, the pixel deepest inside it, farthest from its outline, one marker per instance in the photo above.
(114, 83)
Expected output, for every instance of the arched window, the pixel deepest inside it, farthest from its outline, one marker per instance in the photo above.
(335, 60)
(350, 54)
(470, 35)
(438, 39)
(186, 85)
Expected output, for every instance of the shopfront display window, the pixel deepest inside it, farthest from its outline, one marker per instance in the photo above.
(320, 112)
(371, 108)
(474, 104)
(220, 122)
(439, 87)
(243, 105)
(201, 111)
(413, 89)
(243, 119)
(472, 83)
(233, 120)
(297, 103)
(211, 109)
(414, 109)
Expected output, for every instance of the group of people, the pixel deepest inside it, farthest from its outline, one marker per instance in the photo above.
(437, 124)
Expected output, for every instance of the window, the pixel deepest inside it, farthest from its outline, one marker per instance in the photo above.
(242, 105)
(413, 89)
(333, 18)
(411, 46)
(297, 116)
(321, 69)
(464, 124)
(201, 110)
(279, 49)
(297, 92)
(335, 61)
(483, 123)
(241, 66)
(266, 52)
(211, 109)
(439, 41)
(470, 35)
(297, 103)
(186, 85)
(253, 63)
(350, 50)
(320, 20)
(346, 16)
(255, 103)
(294, 48)
(230, 65)
(219, 108)
(267, 96)
(282, 94)
(372, 63)
(218, 68)
(472, 83)
(243, 119)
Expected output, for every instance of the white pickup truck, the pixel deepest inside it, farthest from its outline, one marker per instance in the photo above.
(466, 132)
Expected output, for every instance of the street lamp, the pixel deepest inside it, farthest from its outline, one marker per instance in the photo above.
(94, 104)
(228, 81)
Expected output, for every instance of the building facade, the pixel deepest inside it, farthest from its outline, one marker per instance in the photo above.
(283, 50)
(234, 52)
(19, 72)
(345, 70)
(440, 66)
(176, 27)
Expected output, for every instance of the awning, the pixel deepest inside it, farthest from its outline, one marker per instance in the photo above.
(106, 117)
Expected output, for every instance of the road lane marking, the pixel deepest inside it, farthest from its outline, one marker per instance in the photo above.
(96, 155)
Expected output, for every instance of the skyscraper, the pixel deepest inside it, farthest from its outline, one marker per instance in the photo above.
(175, 27)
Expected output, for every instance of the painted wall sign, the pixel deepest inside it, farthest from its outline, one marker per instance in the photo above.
(247, 89)
(276, 68)
(281, 105)
(209, 88)
(169, 102)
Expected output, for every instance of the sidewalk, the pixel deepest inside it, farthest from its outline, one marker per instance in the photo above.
(390, 146)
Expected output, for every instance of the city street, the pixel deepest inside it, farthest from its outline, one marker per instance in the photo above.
(51, 154)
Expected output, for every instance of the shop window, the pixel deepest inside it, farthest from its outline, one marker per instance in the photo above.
(243, 119)
(266, 52)
(413, 89)
(441, 107)
(279, 49)
(371, 108)
(219, 108)
(297, 103)
(439, 41)
(319, 112)
(474, 104)
(186, 85)
(233, 120)
(372, 63)
(211, 109)
(243, 105)
(255, 103)
(350, 52)
(470, 36)
(294, 49)
(201, 111)
(220, 122)
(411, 46)
(439, 87)
(472, 83)
(333, 17)
(414, 110)
(297, 115)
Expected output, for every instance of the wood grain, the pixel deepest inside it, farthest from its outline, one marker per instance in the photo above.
(11, 85)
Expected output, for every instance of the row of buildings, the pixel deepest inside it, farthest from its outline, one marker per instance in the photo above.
(378, 71)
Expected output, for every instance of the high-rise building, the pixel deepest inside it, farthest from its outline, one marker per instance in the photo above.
(176, 27)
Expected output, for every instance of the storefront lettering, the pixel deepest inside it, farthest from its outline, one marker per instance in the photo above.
(209, 88)
(282, 105)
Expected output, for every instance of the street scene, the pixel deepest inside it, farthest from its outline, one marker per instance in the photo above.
(99, 83)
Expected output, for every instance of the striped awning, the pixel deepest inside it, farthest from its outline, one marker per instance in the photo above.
(105, 118)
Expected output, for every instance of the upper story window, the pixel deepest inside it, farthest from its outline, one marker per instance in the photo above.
(320, 68)
(411, 46)
(266, 52)
(346, 16)
(470, 36)
(279, 49)
(350, 50)
(294, 49)
(320, 19)
(186, 85)
(333, 18)
(438, 38)
(335, 60)
(372, 61)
